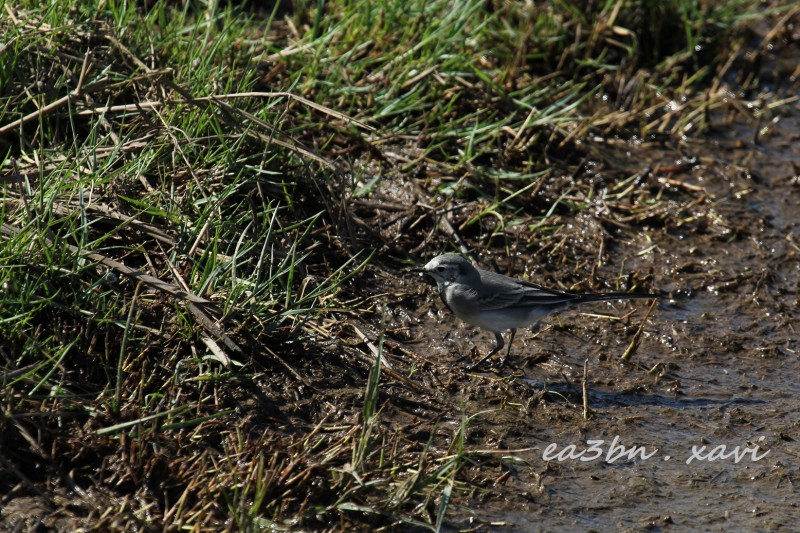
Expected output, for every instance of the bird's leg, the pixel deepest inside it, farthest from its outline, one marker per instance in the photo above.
(508, 352)
(496, 349)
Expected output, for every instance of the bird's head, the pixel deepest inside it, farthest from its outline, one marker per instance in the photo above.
(447, 268)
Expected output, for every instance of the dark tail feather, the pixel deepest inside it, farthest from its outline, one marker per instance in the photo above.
(605, 296)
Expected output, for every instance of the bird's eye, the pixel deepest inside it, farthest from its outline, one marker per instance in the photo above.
(440, 269)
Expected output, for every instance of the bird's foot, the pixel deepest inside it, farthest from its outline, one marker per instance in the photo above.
(489, 364)
(472, 366)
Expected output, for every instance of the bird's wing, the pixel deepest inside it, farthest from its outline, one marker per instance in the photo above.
(536, 295)
(493, 298)
(500, 292)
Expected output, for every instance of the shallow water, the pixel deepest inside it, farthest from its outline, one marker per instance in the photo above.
(718, 417)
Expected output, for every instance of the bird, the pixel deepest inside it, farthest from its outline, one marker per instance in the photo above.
(498, 303)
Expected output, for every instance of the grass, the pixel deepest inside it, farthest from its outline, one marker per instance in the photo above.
(189, 228)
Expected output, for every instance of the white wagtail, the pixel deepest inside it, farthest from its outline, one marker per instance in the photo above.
(496, 302)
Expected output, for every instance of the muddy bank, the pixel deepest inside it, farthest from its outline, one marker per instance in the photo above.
(234, 386)
(698, 428)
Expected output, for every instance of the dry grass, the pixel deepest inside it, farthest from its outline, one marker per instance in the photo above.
(205, 217)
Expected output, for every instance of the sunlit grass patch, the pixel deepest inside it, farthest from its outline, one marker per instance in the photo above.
(201, 205)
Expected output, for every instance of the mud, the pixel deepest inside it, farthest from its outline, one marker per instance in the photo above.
(708, 399)
(696, 430)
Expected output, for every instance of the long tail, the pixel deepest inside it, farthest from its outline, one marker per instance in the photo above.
(605, 296)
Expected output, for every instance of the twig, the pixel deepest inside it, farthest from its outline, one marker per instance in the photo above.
(147, 279)
(635, 339)
(388, 370)
(444, 221)
(78, 92)
(584, 388)
(288, 367)
(192, 301)
(126, 51)
(295, 145)
(216, 98)
(218, 352)
(371, 345)
(205, 321)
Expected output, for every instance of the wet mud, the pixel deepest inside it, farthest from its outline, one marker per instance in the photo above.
(696, 430)
(610, 417)
(699, 427)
